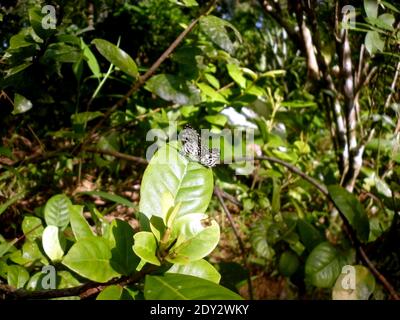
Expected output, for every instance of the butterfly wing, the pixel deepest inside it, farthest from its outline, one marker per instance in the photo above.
(190, 143)
(209, 157)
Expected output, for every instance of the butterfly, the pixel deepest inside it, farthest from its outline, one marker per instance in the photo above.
(195, 150)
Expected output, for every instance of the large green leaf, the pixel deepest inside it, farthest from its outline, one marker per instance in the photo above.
(352, 209)
(80, 227)
(200, 269)
(90, 258)
(172, 88)
(17, 276)
(215, 29)
(359, 287)
(116, 56)
(184, 287)
(53, 243)
(56, 211)
(323, 266)
(123, 259)
(169, 172)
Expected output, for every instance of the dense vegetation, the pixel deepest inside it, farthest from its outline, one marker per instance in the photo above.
(99, 200)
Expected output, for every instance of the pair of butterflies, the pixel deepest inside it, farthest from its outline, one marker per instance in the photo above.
(195, 150)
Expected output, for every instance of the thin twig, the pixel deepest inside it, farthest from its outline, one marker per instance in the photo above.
(217, 192)
(117, 155)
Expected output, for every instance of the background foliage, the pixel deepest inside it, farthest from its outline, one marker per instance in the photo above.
(78, 101)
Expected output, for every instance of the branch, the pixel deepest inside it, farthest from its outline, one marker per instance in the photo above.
(83, 291)
(218, 193)
(117, 154)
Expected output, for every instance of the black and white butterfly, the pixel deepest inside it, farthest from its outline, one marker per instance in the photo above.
(195, 150)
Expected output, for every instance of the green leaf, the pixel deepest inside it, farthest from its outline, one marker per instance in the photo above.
(200, 269)
(53, 243)
(80, 227)
(390, 6)
(371, 8)
(184, 287)
(211, 93)
(31, 253)
(196, 238)
(384, 21)
(360, 287)
(17, 276)
(288, 263)
(116, 56)
(215, 29)
(186, 3)
(84, 117)
(352, 209)
(12, 71)
(237, 75)
(90, 258)
(21, 104)
(113, 292)
(145, 247)
(7, 246)
(309, 235)
(373, 42)
(172, 88)
(91, 60)
(32, 227)
(323, 266)
(259, 240)
(216, 119)
(36, 17)
(35, 282)
(168, 171)
(66, 280)
(212, 80)
(123, 260)
(56, 211)
(61, 52)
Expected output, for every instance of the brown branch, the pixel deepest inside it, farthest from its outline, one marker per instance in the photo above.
(83, 291)
(117, 154)
(218, 193)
